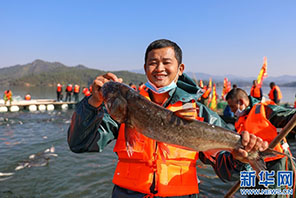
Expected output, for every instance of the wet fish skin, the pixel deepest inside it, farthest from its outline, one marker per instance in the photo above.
(127, 106)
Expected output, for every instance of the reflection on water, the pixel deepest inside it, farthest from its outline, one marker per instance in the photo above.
(36, 161)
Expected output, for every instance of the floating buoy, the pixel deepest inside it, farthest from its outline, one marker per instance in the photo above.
(50, 107)
(3, 109)
(14, 108)
(64, 106)
(32, 108)
(41, 107)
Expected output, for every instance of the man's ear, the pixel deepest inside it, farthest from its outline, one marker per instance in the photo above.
(145, 68)
(181, 69)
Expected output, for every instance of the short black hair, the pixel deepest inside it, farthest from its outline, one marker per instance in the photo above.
(272, 84)
(162, 43)
(236, 94)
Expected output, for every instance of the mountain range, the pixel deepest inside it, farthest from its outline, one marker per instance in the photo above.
(284, 80)
(43, 73)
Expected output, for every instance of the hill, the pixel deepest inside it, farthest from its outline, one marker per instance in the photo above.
(42, 73)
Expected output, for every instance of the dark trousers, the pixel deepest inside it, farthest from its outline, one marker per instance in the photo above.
(68, 96)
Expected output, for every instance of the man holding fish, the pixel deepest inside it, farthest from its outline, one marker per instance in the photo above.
(158, 164)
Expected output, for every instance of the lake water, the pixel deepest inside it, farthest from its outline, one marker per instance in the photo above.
(61, 173)
(50, 92)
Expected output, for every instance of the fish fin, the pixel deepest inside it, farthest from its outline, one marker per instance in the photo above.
(270, 153)
(258, 163)
(186, 113)
(131, 137)
(163, 150)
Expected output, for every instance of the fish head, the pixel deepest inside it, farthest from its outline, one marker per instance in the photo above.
(114, 97)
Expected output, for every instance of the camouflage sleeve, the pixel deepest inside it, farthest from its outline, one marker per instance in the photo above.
(227, 168)
(91, 129)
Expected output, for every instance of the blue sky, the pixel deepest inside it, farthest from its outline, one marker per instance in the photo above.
(218, 37)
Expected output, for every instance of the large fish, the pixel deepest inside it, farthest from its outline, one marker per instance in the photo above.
(139, 114)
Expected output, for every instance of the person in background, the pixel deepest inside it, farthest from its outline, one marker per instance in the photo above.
(145, 174)
(141, 87)
(86, 92)
(59, 92)
(262, 120)
(76, 92)
(69, 90)
(132, 85)
(7, 96)
(256, 91)
(27, 96)
(275, 93)
(295, 102)
(234, 86)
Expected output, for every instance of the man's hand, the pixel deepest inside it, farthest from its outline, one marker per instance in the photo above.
(96, 99)
(251, 143)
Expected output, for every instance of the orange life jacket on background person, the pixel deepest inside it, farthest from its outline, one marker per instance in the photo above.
(134, 87)
(28, 97)
(90, 89)
(174, 176)
(257, 123)
(141, 87)
(59, 87)
(255, 92)
(271, 96)
(8, 94)
(76, 89)
(86, 92)
(69, 88)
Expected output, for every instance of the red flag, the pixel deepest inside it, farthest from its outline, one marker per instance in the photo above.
(213, 104)
(263, 72)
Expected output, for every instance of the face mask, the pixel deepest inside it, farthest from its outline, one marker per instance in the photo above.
(161, 89)
(164, 89)
(239, 112)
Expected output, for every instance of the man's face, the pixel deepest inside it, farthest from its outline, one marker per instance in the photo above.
(162, 66)
(233, 104)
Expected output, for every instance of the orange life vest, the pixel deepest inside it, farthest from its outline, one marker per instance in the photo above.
(28, 97)
(8, 94)
(69, 88)
(257, 123)
(134, 87)
(174, 176)
(76, 89)
(255, 92)
(59, 88)
(141, 87)
(271, 96)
